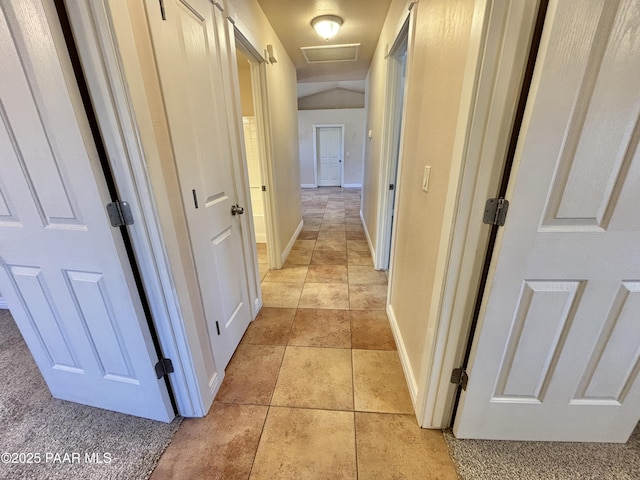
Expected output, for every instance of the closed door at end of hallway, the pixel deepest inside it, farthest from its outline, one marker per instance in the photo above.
(329, 144)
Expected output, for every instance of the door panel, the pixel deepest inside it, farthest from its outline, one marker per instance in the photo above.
(329, 156)
(191, 80)
(543, 316)
(63, 269)
(556, 353)
(613, 365)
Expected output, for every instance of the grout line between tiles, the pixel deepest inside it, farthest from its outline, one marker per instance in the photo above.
(324, 409)
(255, 454)
(355, 432)
(284, 352)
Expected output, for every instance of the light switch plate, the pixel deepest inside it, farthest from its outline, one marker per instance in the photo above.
(425, 178)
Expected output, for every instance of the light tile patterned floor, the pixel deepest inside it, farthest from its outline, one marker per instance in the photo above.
(315, 389)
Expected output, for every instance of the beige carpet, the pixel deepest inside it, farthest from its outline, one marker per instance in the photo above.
(498, 460)
(32, 421)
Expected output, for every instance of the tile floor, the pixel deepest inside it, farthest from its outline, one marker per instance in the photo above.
(315, 389)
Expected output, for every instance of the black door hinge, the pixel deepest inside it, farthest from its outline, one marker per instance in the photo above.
(119, 213)
(218, 327)
(495, 211)
(391, 186)
(459, 377)
(164, 367)
(264, 188)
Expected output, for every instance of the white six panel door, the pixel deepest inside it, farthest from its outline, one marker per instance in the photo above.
(188, 63)
(329, 156)
(557, 351)
(63, 269)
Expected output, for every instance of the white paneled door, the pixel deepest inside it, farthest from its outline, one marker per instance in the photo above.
(557, 350)
(329, 144)
(63, 269)
(185, 43)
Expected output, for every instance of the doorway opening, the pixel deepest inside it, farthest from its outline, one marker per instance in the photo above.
(250, 66)
(397, 68)
(328, 149)
(253, 157)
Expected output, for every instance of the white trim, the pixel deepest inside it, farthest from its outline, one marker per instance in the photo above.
(352, 185)
(214, 384)
(308, 185)
(372, 250)
(409, 376)
(242, 36)
(499, 47)
(237, 40)
(227, 52)
(3, 303)
(92, 28)
(405, 27)
(392, 143)
(263, 122)
(314, 141)
(292, 240)
(316, 159)
(232, 16)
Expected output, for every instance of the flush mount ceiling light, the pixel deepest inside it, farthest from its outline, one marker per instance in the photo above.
(327, 25)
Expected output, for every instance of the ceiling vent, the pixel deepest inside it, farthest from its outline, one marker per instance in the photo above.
(331, 53)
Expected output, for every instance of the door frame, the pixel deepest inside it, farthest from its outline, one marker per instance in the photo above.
(258, 64)
(508, 189)
(240, 35)
(316, 157)
(91, 24)
(499, 49)
(392, 144)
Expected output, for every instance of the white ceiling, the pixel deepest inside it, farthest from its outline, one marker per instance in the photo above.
(362, 22)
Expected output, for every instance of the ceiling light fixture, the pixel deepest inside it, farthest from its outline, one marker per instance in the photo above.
(327, 25)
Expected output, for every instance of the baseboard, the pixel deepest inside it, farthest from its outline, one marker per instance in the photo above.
(409, 376)
(308, 185)
(261, 238)
(257, 305)
(3, 303)
(366, 234)
(352, 185)
(214, 385)
(292, 240)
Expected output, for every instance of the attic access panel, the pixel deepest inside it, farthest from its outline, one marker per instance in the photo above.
(331, 53)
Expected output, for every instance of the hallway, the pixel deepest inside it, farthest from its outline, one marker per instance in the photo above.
(315, 389)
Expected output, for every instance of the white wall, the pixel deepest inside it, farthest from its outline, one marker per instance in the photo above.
(255, 177)
(309, 88)
(283, 120)
(354, 132)
(436, 60)
(333, 98)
